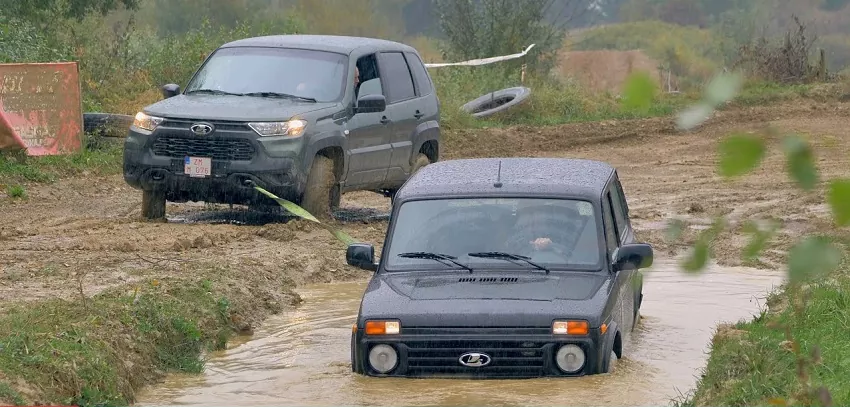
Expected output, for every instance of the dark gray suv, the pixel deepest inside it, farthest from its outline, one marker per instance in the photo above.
(306, 117)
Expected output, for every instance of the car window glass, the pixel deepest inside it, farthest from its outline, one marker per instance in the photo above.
(461, 226)
(619, 211)
(370, 76)
(610, 229)
(397, 75)
(623, 201)
(315, 74)
(423, 82)
(371, 87)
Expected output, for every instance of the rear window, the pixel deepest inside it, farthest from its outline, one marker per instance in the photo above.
(420, 75)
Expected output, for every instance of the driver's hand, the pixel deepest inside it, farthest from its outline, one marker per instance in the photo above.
(541, 243)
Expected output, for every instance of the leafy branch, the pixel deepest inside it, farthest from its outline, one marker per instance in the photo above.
(810, 258)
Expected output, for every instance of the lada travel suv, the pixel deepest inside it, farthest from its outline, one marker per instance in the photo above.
(304, 117)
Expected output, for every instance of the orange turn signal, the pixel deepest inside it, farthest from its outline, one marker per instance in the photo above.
(570, 328)
(383, 327)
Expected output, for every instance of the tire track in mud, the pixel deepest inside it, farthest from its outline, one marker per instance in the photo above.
(90, 225)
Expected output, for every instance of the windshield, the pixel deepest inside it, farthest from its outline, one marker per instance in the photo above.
(556, 233)
(306, 73)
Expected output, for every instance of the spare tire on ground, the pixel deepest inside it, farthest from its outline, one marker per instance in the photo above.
(107, 124)
(497, 101)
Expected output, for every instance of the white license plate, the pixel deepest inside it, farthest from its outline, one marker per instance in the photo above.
(197, 166)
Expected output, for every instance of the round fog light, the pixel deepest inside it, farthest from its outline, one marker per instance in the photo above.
(570, 358)
(383, 358)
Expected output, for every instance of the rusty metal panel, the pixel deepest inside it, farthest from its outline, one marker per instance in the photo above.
(41, 108)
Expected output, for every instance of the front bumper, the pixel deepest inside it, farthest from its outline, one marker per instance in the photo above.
(156, 162)
(525, 355)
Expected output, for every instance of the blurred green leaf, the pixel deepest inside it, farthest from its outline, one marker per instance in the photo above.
(638, 92)
(740, 153)
(723, 87)
(694, 116)
(800, 164)
(813, 257)
(674, 230)
(758, 239)
(700, 253)
(838, 197)
(697, 259)
(302, 213)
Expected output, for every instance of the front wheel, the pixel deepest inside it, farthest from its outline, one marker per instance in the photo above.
(321, 195)
(153, 204)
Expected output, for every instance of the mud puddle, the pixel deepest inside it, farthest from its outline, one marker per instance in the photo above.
(302, 357)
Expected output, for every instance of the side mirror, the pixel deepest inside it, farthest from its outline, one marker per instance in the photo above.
(638, 254)
(361, 255)
(170, 90)
(371, 104)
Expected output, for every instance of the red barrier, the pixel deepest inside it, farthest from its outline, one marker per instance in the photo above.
(40, 108)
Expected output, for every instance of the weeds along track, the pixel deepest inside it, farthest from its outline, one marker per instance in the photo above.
(85, 232)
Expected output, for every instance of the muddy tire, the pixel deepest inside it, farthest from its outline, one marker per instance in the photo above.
(153, 205)
(321, 193)
(612, 363)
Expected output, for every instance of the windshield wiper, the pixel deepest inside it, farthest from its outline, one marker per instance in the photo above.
(279, 95)
(213, 92)
(443, 258)
(508, 256)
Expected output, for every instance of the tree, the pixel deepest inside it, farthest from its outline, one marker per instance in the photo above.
(486, 28)
(45, 10)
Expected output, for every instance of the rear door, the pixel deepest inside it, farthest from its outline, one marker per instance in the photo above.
(403, 107)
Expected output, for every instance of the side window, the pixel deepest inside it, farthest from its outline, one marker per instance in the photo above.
(420, 74)
(370, 77)
(610, 230)
(619, 210)
(397, 77)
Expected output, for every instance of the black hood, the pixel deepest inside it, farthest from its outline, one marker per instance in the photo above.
(486, 299)
(235, 108)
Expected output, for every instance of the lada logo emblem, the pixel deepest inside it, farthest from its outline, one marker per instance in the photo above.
(201, 129)
(475, 359)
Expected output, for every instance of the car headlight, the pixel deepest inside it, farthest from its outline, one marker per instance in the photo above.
(570, 358)
(383, 358)
(570, 328)
(383, 327)
(292, 128)
(146, 122)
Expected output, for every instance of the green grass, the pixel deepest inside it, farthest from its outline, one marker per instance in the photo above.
(47, 169)
(754, 366)
(100, 351)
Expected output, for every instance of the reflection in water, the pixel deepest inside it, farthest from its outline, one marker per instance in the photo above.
(302, 357)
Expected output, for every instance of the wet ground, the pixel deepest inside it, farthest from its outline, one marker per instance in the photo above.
(84, 234)
(302, 357)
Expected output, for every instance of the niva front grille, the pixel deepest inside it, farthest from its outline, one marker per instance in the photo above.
(507, 357)
(217, 149)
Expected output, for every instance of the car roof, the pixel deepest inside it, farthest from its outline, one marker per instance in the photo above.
(332, 43)
(564, 177)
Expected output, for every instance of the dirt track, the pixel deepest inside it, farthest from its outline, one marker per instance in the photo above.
(89, 228)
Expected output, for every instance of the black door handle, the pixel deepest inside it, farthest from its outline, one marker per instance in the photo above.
(384, 120)
(418, 115)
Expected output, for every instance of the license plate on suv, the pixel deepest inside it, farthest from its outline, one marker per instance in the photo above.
(199, 167)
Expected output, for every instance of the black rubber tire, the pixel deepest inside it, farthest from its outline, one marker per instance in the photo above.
(497, 101)
(321, 193)
(153, 204)
(108, 124)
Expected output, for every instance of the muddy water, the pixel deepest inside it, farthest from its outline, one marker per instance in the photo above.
(302, 357)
